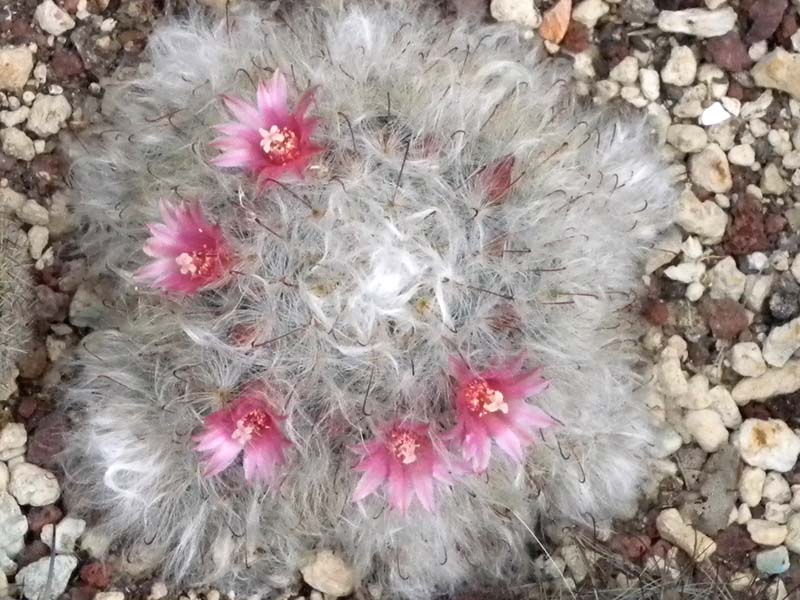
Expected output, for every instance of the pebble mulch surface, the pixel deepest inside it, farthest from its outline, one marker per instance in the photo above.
(720, 81)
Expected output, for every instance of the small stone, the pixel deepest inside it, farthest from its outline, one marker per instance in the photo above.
(725, 280)
(13, 438)
(16, 64)
(48, 115)
(709, 169)
(722, 402)
(751, 485)
(776, 488)
(12, 118)
(766, 533)
(726, 318)
(779, 70)
(687, 138)
(757, 50)
(742, 155)
(33, 213)
(589, 12)
(748, 232)
(773, 561)
(705, 219)
(158, 590)
(649, 81)
(743, 514)
(671, 378)
(781, 343)
(329, 574)
(698, 22)
(746, 359)
(626, 71)
(774, 382)
(793, 533)
(114, 596)
(768, 444)
(38, 237)
(3, 477)
(53, 19)
(777, 513)
(672, 528)
(575, 558)
(766, 16)
(714, 114)
(522, 13)
(681, 67)
(68, 531)
(772, 182)
(696, 396)
(37, 577)
(795, 268)
(686, 272)
(729, 52)
(13, 527)
(756, 291)
(707, 429)
(32, 485)
(15, 143)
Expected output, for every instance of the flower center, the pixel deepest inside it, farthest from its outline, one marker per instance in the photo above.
(253, 423)
(280, 144)
(481, 399)
(196, 264)
(404, 445)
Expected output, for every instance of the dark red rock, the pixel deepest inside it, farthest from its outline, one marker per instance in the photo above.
(46, 441)
(755, 410)
(66, 64)
(726, 318)
(729, 52)
(656, 312)
(632, 546)
(747, 233)
(577, 39)
(40, 516)
(766, 16)
(27, 407)
(96, 574)
(734, 547)
(787, 29)
(774, 223)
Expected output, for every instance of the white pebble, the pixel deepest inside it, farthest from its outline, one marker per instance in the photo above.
(766, 533)
(768, 444)
(751, 485)
(746, 359)
(707, 429)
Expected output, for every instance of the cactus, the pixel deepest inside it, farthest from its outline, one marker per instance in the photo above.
(16, 294)
(419, 300)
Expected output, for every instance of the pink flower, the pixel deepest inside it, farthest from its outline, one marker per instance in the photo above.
(266, 140)
(491, 406)
(495, 179)
(403, 454)
(250, 426)
(190, 253)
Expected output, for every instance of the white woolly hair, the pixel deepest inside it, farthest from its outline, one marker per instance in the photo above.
(16, 295)
(361, 281)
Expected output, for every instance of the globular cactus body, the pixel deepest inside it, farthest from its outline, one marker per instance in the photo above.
(459, 221)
